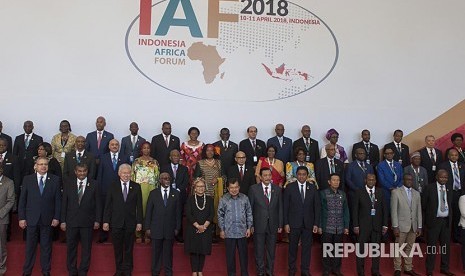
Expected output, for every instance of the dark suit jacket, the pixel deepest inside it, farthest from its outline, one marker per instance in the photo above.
(84, 214)
(405, 153)
(91, 143)
(284, 153)
(374, 152)
(429, 204)
(160, 152)
(300, 214)
(427, 163)
(163, 221)
(181, 181)
(126, 147)
(313, 151)
(11, 169)
(227, 155)
(121, 214)
(450, 181)
(9, 140)
(26, 156)
(106, 174)
(249, 151)
(361, 211)
(39, 209)
(71, 162)
(266, 214)
(247, 180)
(355, 176)
(322, 172)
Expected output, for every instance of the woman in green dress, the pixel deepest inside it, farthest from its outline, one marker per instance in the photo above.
(145, 172)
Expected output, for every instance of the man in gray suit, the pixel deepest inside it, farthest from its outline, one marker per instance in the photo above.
(406, 221)
(7, 200)
(130, 145)
(267, 210)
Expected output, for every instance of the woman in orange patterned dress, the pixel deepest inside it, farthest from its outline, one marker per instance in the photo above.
(191, 151)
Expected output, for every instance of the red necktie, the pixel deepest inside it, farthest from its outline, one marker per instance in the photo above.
(99, 139)
(241, 172)
(266, 196)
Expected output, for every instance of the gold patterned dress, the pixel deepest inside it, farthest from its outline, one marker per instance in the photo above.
(210, 170)
(146, 173)
(59, 149)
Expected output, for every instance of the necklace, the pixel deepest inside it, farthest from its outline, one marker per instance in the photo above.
(210, 163)
(204, 202)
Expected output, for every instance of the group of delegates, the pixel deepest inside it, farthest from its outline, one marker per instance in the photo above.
(141, 190)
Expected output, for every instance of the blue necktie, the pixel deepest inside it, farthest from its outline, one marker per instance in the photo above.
(41, 185)
(114, 161)
(125, 191)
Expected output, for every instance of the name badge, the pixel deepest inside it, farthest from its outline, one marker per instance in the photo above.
(307, 158)
(63, 155)
(131, 158)
(373, 212)
(400, 161)
(255, 159)
(433, 168)
(368, 161)
(173, 185)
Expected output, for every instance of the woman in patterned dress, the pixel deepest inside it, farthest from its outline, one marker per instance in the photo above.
(209, 168)
(63, 142)
(291, 168)
(276, 166)
(145, 172)
(191, 151)
(333, 137)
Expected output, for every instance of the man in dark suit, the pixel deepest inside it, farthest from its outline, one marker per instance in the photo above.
(244, 174)
(267, 210)
(10, 165)
(282, 143)
(130, 145)
(79, 156)
(312, 150)
(7, 137)
(356, 172)
(38, 211)
(371, 150)
(97, 141)
(107, 175)
(7, 201)
(80, 215)
(163, 143)
(324, 167)
(370, 220)
(163, 221)
(123, 212)
(179, 181)
(438, 217)
(455, 183)
(301, 218)
(252, 147)
(431, 157)
(25, 148)
(401, 150)
(228, 149)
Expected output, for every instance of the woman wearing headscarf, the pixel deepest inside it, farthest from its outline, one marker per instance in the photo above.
(333, 136)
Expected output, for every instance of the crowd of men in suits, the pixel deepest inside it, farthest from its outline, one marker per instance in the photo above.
(361, 199)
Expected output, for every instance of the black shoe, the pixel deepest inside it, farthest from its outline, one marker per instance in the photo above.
(397, 273)
(46, 274)
(338, 273)
(411, 272)
(179, 239)
(375, 274)
(102, 240)
(447, 273)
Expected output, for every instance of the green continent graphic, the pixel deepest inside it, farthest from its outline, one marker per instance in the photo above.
(208, 55)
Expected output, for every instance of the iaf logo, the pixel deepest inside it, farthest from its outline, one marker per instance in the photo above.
(245, 51)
